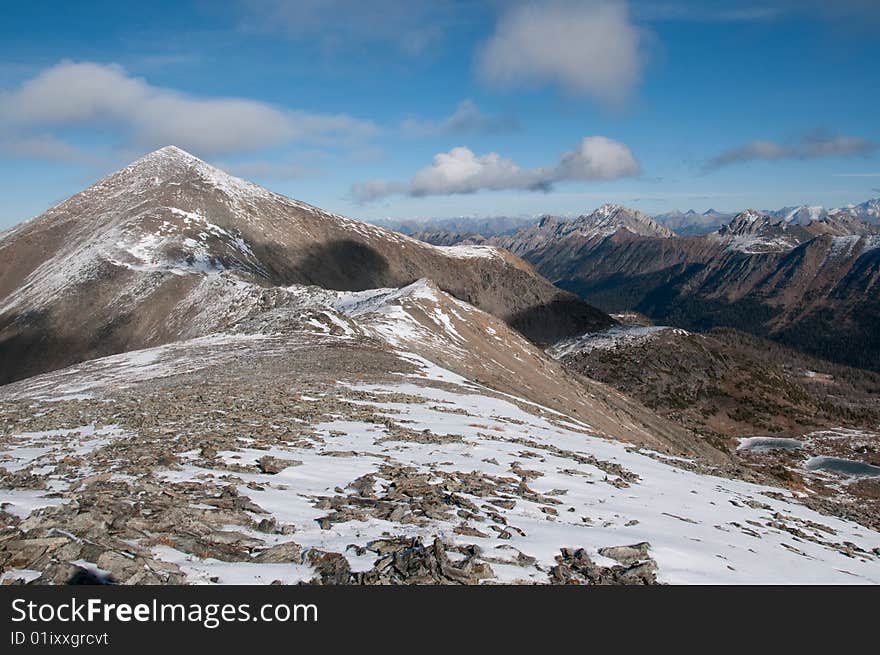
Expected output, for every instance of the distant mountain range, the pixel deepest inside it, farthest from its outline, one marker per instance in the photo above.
(692, 223)
(683, 223)
(805, 277)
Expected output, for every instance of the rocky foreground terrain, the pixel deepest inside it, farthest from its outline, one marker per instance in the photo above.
(258, 420)
(327, 458)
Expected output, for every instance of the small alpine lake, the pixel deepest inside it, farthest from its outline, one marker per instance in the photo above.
(842, 466)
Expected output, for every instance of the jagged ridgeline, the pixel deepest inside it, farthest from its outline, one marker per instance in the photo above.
(805, 278)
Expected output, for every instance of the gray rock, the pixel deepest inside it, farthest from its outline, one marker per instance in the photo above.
(273, 465)
(627, 554)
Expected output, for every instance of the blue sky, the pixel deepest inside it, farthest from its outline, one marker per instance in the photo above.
(436, 109)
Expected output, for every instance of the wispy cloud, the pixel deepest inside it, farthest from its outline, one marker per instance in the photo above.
(411, 27)
(816, 145)
(462, 171)
(104, 97)
(852, 12)
(589, 48)
(857, 174)
(724, 11)
(43, 147)
(466, 119)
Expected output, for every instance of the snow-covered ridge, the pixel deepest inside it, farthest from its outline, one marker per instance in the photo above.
(754, 232)
(871, 243)
(614, 337)
(756, 244)
(843, 246)
(390, 314)
(356, 303)
(466, 251)
(170, 213)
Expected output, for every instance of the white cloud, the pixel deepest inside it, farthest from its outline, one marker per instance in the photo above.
(99, 95)
(598, 158)
(816, 145)
(462, 171)
(590, 48)
(466, 119)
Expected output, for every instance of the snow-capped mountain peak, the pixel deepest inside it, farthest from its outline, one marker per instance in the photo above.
(868, 211)
(174, 166)
(608, 209)
(169, 153)
(748, 219)
(610, 218)
(753, 231)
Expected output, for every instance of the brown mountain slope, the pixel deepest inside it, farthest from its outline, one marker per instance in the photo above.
(726, 383)
(104, 271)
(423, 320)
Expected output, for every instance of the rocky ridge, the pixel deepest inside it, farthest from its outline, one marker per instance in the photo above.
(810, 286)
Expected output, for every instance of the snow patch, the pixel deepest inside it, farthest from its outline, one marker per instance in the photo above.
(617, 336)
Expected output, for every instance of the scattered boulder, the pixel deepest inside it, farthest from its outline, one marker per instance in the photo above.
(408, 561)
(273, 465)
(627, 554)
(332, 568)
(574, 566)
(289, 551)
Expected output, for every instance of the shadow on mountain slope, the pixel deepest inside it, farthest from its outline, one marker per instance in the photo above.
(346, 265)
(30, 345)
(558, 319)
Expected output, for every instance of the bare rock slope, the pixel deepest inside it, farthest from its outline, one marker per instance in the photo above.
(126, 263)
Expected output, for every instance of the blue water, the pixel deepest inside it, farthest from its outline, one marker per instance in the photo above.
(842, 466)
